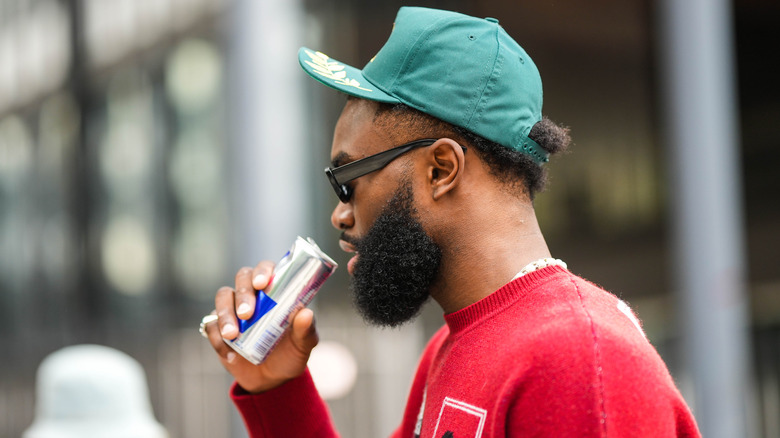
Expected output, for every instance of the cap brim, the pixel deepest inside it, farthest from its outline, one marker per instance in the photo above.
(340, 76)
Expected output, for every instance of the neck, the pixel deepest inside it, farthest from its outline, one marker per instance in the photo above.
(492, 249)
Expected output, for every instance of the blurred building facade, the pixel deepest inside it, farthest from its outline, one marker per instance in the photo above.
(117, 191)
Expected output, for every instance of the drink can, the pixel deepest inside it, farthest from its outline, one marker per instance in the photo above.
(295, 280)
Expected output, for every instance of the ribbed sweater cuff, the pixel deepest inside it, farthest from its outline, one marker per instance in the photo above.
(291, 409)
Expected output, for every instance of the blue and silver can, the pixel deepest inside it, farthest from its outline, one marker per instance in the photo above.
(295, 280)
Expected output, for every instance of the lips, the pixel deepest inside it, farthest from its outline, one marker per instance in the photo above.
(348, 247)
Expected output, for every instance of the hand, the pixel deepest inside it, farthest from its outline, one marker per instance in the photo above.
(286, 361)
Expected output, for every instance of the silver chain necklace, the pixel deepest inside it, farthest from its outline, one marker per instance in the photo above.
(539, 264)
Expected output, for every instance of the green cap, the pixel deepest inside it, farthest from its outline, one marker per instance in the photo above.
(464, 70)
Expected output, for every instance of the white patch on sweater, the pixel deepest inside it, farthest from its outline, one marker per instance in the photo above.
(454, 412)
(623, 307)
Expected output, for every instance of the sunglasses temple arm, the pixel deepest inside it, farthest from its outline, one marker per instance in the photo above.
(358, 168)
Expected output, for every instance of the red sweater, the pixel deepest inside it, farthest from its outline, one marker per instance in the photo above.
(548, 354)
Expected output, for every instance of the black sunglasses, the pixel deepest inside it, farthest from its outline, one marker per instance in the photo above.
(341, 175)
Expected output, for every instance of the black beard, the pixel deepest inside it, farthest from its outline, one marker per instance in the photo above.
(397, 263)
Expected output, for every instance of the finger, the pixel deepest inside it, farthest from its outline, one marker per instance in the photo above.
(261, 275)
(304, 331)
(245, 293)
(226, 355)
(225, 308)
(215, 338)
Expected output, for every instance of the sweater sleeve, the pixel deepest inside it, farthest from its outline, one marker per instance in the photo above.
(294, 409)
(594, 373)
(562, 406)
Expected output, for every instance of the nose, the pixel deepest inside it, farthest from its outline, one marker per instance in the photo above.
(342, 217)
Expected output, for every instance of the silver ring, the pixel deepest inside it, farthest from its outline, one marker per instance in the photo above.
(206, 319)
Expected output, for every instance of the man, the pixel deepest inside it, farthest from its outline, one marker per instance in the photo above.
(437, 156)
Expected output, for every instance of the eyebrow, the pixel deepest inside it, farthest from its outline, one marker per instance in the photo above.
(340, 159)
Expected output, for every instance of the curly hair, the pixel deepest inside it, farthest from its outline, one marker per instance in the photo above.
(513, 168)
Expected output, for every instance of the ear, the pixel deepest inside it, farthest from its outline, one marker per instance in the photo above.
(445, 167)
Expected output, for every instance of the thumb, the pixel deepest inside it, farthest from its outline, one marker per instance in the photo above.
(304, 332)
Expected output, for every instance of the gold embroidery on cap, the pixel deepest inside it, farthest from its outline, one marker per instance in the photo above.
(323, 66)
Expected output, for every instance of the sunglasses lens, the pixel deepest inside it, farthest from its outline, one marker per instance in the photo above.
(340, 189)
(345, 193)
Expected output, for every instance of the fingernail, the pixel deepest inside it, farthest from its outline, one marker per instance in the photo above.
(230, 357)
(228, 329)
(243, 309)
(260, 280)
